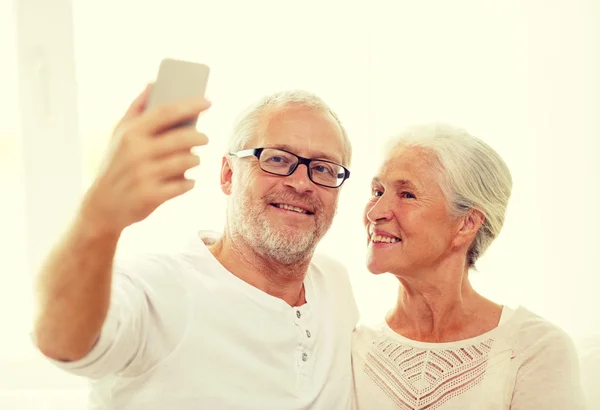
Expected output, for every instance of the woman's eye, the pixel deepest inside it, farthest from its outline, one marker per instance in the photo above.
(376, 193)
(407, 195)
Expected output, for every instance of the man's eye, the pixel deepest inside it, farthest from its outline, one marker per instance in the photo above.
(322, 169)
(276, 159)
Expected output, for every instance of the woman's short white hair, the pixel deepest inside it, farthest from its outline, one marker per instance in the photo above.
(471, 174)
(248, 125)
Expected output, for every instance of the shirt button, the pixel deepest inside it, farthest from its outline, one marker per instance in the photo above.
(308, 333)
(298, 314)
(304, 357)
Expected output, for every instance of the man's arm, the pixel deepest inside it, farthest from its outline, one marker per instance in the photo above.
(145, 168)
(73, 292)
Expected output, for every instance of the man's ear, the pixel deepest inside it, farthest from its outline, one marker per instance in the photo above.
(470, 225)
(226, 176)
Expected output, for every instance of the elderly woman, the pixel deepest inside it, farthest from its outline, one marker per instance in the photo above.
(436, 204)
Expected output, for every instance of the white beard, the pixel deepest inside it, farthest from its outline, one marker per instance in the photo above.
(286, 245)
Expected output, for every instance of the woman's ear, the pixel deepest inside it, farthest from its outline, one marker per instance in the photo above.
(470, 225)
(226, 175)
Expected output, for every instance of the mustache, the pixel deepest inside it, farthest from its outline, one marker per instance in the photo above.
(308, 201)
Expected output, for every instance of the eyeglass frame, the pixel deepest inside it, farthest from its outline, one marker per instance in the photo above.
(256, 152)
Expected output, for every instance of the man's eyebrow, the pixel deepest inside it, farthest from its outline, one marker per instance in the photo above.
(318, 155)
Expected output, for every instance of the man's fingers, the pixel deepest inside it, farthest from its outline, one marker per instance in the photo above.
(181, 139)
(137, 106)
(175, 166)
(162, 118)
(174, 187)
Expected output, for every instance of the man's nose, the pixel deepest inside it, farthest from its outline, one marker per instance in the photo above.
(299, 179)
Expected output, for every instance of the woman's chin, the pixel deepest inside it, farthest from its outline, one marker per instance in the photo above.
(376, 268)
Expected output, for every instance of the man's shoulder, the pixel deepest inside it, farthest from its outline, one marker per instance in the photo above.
(180, 252)
(336, 285)
(327, 264)
(330, 270)
(176, 265)
(148, 262)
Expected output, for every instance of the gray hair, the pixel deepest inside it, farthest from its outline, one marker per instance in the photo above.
(471, 174)
(247, 126)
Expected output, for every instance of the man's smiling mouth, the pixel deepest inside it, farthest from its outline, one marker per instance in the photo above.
(293, 208)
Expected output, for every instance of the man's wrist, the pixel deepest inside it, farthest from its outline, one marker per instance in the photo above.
(94, 224)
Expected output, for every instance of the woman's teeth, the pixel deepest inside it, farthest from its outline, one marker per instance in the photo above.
(383, 239)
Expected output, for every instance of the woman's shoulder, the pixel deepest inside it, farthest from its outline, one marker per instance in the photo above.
(529, 325)
(370, 327)
(367, 332)
(532, 334)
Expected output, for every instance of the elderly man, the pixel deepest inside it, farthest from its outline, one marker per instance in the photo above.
(256, 320)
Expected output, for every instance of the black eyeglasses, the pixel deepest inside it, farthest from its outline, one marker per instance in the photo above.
(284, 163)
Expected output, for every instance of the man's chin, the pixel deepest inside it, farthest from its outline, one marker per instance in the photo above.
(287, 253)
(292, 232)
(293, 240)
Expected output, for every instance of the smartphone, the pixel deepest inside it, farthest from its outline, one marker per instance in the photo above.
(178, 80)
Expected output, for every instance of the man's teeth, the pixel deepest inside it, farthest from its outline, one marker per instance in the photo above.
(384, 239)
(291, 208)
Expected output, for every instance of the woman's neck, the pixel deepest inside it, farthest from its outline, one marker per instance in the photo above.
(441, 307)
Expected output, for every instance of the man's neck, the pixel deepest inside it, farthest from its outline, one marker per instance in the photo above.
(282, 281)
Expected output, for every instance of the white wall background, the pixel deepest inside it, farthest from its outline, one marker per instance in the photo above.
(521, 74)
